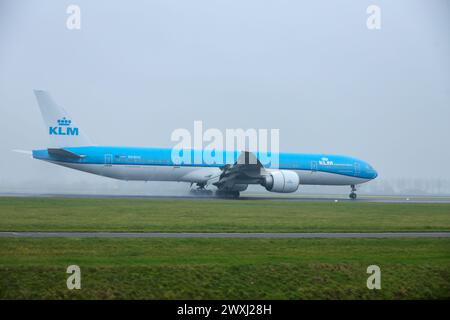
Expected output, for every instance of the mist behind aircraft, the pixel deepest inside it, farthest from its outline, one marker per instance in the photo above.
(136, 72)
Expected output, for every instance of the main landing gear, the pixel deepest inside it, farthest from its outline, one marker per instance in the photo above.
(228, 194)
(201, 190)
(352, 194)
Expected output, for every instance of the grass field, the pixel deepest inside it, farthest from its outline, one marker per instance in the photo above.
(222, 268)
(59, 214)
(225, 268)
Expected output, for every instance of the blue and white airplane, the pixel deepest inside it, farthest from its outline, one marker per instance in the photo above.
(70, 147)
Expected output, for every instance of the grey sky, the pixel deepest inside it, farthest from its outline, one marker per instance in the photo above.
(137, 70)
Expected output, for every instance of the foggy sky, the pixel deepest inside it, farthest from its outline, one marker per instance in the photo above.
(137, 70)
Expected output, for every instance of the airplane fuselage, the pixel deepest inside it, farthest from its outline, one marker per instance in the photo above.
(155, 164)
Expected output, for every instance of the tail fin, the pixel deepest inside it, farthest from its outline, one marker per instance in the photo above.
(61, 129)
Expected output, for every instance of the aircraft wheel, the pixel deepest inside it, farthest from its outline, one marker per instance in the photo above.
(200, 192)
(228, 194)
(352, 196)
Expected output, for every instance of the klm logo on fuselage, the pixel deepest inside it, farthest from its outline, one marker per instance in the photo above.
(63, 128)
(325, 162)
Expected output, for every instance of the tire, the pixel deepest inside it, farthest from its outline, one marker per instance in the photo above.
(201, 192)
(228, 194)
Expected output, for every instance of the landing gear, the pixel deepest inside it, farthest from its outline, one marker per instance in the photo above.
(201, 190)
(352, 194)
(228, 194)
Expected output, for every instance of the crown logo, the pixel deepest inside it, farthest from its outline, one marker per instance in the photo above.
(64, 122)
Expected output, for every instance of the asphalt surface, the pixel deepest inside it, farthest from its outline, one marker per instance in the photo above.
(252, 197)
(325, 235)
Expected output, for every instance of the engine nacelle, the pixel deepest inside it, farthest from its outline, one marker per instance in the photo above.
(283, 181)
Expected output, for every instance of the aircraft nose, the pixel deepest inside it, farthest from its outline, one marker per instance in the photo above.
(375, 174)
(371, 172)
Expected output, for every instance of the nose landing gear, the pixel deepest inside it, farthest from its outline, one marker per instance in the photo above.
(352, 194)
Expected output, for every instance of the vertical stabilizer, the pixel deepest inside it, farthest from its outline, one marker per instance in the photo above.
(62, 130)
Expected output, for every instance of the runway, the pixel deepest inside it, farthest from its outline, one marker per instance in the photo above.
(251, 197)
(324, 235)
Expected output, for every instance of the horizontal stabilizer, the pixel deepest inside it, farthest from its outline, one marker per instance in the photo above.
(64, 153)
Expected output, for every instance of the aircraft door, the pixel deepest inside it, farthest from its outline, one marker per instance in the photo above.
(108, 160)
(313, 166)
(357, 168)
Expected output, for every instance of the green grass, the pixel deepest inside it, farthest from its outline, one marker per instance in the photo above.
(225, 268)
(152, 268)
(61, 214)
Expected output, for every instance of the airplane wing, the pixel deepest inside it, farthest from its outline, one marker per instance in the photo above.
(246, 170)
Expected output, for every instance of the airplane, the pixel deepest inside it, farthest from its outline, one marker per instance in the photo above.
(71, 148)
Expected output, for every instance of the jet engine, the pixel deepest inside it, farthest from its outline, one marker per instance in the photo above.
(283, 181)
